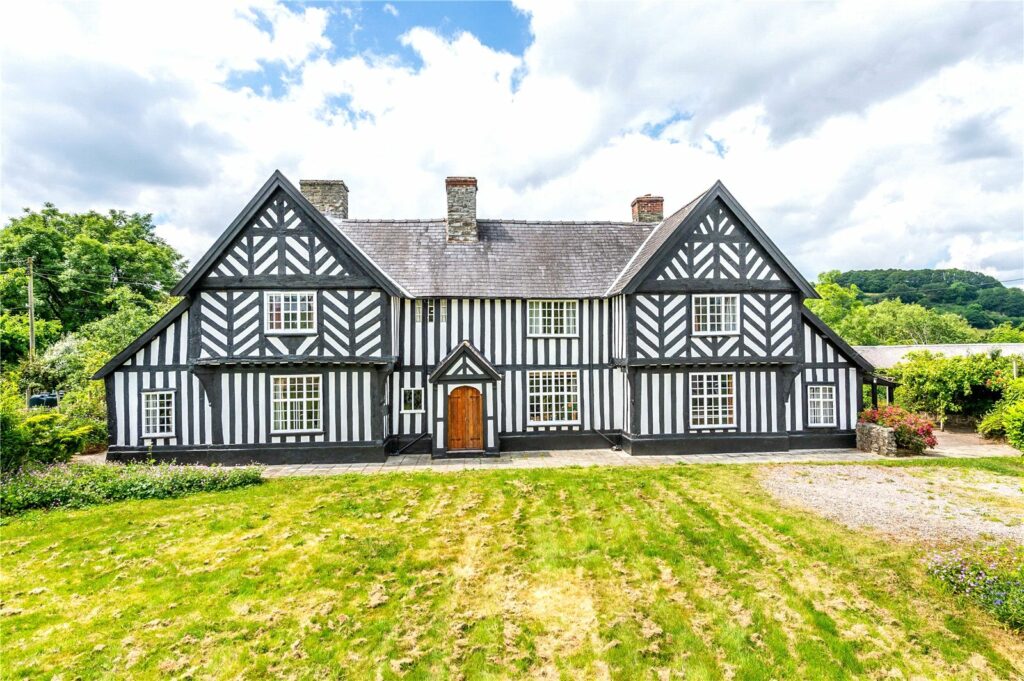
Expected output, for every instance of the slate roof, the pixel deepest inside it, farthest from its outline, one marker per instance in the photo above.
(514, 258)
(659, 235)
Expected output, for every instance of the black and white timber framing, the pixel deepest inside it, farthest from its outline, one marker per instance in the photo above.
(388, 358)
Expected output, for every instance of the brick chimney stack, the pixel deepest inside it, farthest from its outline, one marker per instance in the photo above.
(461, 224)
(329, 196)
(648, 208)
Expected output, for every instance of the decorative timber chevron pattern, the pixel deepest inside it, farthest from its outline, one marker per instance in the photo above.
(766, 328)
(279, 242)
(465, 367)
(767, 325)
(350, 324)
(718, 249)
(661, 324)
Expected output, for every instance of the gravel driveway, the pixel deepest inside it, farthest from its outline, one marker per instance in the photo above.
(929, 504)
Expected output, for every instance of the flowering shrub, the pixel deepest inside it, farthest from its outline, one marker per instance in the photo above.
(913, 432)
(77, 485)
(993, 578)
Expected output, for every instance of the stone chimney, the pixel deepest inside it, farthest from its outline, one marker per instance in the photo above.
(329, 196)
(648, 208)
(461, 223)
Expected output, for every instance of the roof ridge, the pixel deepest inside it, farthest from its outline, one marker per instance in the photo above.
(506, 221)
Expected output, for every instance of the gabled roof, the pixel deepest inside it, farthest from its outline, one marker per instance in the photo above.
(278, 181)
(844, 348)
(140, 342)
(473, 361)
(685, 219)
(512, 259)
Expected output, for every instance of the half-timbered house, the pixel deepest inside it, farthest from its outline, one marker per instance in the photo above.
(305, 335)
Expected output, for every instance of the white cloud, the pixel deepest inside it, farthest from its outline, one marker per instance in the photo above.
(857, 135)
(388, 8)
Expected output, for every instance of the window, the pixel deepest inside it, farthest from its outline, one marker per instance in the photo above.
(821, 405)
(412, 400)
(716, 314)
(553, 397)
(429, 304)
(552, 318)
(158, 414)
(296, 404)
(444, 310)
(291, 312)
(712, 400)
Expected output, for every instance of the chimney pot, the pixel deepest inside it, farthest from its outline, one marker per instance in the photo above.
(648, 208)
(461, 224)
(330, 197)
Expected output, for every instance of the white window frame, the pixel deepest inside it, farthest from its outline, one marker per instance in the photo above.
(444, 310)
(705, 298)
(270, 331)
(693, 399)
(146, 396)
(532, 379)
(430, 308)
(571, 313)
(318, 428)
(822, 400)
(422, 408)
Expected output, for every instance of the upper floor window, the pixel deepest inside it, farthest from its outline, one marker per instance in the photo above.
(716, 314)
(295, 404)
(289, 312)
(551, 318)
(425, 310)
(712, 400)
(821, 405)
(158, 413)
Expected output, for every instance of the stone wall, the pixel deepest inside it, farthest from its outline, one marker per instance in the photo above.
(872, 437)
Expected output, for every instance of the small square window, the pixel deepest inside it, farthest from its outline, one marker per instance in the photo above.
(716, 314)
(821, 405)
(158, 414)
(288, 312)
(412, 400)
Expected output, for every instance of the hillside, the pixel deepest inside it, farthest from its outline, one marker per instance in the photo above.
(981, 299)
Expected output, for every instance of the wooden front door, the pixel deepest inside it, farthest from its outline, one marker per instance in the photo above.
(465, 419)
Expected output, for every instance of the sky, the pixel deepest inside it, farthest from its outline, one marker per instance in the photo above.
(858, 135)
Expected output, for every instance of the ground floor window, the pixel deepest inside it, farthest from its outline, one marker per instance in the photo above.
(553, 397)
(821, 405)
(296, 403)
(158, 414)
(412, 400)
(712, 400)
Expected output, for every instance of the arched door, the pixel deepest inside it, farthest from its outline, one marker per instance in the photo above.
(465, 419)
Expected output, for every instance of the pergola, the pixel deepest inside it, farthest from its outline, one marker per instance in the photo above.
(881, 381)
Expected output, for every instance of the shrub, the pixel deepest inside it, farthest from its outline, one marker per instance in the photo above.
(1006, 418)
(77, 485)
(913, 432)
(1013, 425)
(42, 437)
(992, 577)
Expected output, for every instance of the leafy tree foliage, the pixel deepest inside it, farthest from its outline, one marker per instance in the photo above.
(79, 258)
(942, 385)
(890, 322)
(979, 298)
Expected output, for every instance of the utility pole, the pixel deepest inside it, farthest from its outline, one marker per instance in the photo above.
(31, 313)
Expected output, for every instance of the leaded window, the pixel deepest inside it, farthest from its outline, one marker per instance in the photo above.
(158, 414)
(295, 404)
(289, 312)
(712, 400)
(551, 318)
(553, 397)
(821, 405)
(716, 314)
(412, 400)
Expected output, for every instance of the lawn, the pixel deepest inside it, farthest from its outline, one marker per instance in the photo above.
(579, 573)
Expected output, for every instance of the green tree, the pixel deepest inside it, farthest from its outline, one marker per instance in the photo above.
(79, 258)
(837, 302)
(942, 385)
(1005, 333)
(14, 335)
